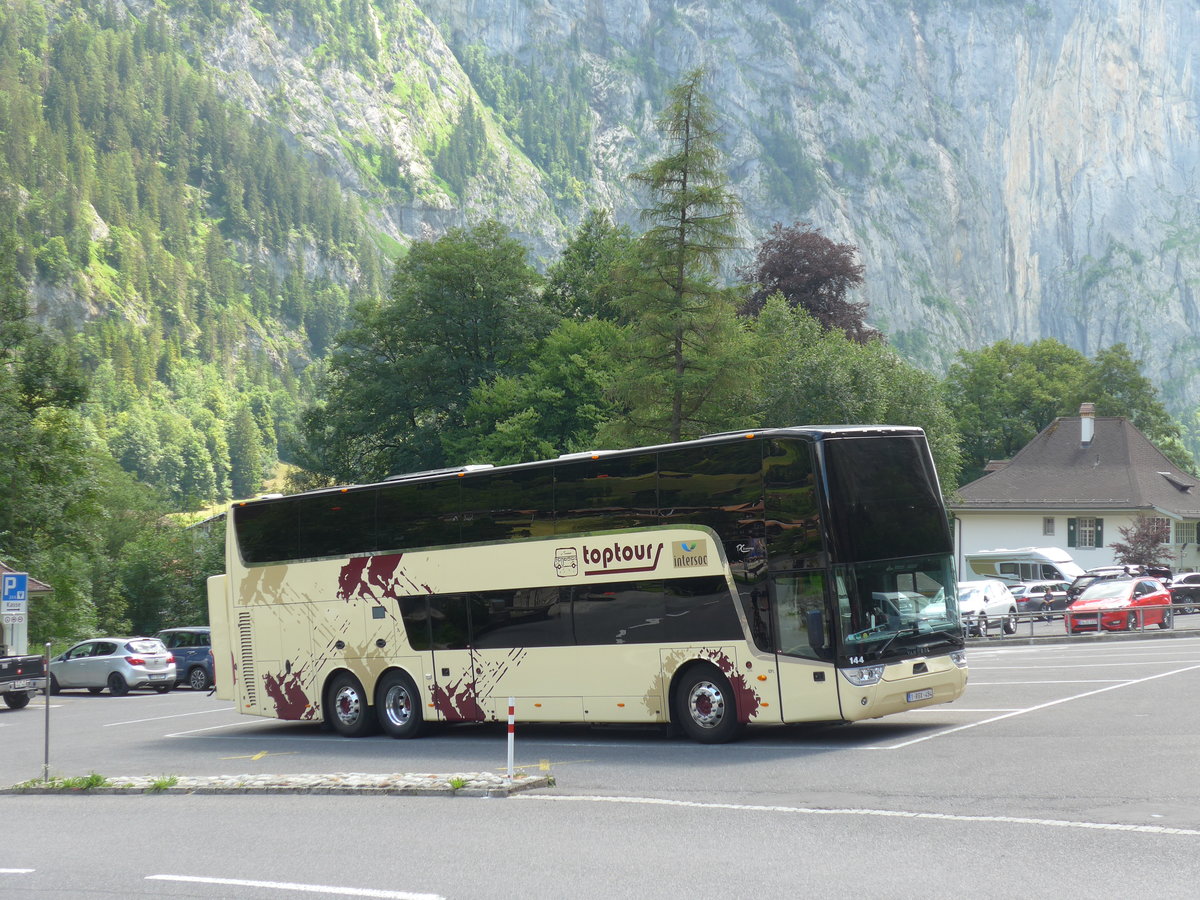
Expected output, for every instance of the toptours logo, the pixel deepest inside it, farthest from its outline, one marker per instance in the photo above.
(608, 559)
(689, 554)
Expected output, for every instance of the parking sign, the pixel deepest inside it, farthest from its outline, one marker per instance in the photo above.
(16, 588)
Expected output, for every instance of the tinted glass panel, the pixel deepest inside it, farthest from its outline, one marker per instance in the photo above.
(884, 500)
(421, 514)
(793, 522)
(532, 617)
(414, 612)
(700, 610)
(268, 531)
(606, 493)
(449, 622)
(501, 506)
(719, 486)
(337, 523)
(629, 613)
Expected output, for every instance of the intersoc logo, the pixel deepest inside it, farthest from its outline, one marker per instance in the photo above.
(689, 554)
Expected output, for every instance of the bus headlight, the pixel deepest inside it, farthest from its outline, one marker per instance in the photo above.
(959, 658)
(863, 676)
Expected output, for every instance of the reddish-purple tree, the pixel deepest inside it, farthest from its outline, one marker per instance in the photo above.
(811, 271)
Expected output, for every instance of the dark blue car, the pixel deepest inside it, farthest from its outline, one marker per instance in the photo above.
(192, 649)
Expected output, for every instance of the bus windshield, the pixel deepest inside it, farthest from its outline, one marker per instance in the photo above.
(897, 607)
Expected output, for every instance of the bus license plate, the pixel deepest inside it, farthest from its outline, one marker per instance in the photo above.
(914, 696)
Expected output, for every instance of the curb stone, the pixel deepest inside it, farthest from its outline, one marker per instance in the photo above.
(475, 784)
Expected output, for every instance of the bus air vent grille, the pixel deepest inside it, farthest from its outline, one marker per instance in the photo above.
(247, 654)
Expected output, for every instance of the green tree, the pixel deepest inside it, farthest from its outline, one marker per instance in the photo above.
(556, 407)
(1004, 394)
(583, 280)
(245, 453)
(462, 309)
(814, 375)
(685, 362)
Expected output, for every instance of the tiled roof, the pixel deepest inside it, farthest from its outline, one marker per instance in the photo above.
(35, 586)
(1118, 469)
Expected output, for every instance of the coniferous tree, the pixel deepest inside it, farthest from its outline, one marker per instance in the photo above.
(684, 365)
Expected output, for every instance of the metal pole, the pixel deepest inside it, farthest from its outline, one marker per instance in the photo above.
(512, 719)
(46, 756)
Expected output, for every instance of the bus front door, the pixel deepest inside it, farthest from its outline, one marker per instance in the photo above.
(804, 649)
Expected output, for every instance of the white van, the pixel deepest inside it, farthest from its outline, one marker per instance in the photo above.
(1023, 564)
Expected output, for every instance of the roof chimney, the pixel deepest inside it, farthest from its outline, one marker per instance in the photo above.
(1087, 423)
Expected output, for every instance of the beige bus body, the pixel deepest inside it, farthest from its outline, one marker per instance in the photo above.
(281, 633)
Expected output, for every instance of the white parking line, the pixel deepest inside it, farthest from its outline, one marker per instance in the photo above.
(880, 813)
(15, 871)
(203, 712)
(1055, 681)
(303, 888)
(1040, 706)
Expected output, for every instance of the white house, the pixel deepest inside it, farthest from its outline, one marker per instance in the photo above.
(1074, 486)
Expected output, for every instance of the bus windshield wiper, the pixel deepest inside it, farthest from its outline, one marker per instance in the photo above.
(903, 629)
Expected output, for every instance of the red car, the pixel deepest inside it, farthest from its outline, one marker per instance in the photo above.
(1124, 604)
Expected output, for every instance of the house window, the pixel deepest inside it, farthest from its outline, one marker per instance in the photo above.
(1086, 534)
(1185, 532)
(1048, 525)
(1086, 531)
(1161, 526)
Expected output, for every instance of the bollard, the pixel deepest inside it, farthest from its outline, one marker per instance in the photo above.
(512, 718)
(46, 751)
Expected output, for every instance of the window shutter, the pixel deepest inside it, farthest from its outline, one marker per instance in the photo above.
(1099, 532)
(1070, 532)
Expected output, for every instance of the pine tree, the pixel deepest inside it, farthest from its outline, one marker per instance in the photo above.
(684, 368)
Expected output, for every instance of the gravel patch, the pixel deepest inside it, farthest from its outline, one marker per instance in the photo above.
(455, 784)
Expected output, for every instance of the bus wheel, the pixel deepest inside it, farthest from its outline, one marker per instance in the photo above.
(347, 708)
(398, 706)
(705, 706)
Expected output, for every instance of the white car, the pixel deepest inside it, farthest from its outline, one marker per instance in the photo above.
(984, 604)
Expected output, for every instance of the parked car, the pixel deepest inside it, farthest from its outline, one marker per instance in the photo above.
(116, 663)
(192, 649)
(1185, 592)
(1108, 573)
(1122, 604)
(1031, 597)
(982, 604)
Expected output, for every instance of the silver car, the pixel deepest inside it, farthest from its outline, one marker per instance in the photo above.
(118, 664)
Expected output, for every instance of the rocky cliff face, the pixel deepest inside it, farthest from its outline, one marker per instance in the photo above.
(1009, 169)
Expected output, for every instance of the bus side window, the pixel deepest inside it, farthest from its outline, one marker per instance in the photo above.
(414, 612)
(625, 613)
(700, 609)
(528, 617)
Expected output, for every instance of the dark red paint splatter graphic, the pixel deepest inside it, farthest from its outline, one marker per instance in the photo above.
(372, 577)
(290, 700)
(457, 705)
(747, 697)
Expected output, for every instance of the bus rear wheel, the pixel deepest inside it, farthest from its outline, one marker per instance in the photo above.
(705, 707)
(398, 706)
(346, 708)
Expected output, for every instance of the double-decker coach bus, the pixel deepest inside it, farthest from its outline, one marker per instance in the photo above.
(787, 575)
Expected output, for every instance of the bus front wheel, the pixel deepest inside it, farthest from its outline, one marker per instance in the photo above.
(347, 710)
(705, 707)
(399, 706)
